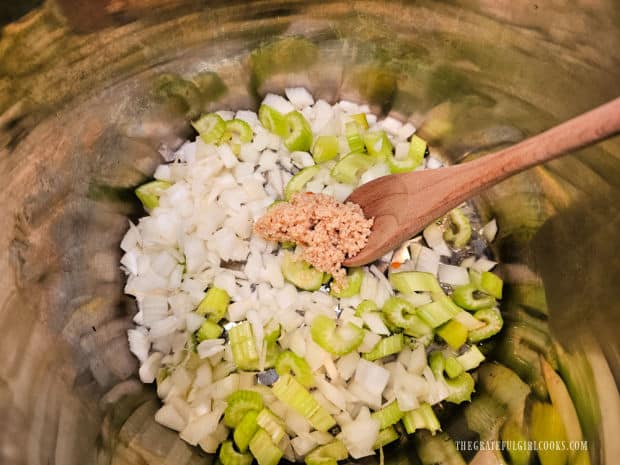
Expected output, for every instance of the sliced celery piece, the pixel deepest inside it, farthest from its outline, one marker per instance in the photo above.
(243, 346)
(388, 415)
(459, 229)
(387, 346)
(271, 424)
(409, 282)
(328, 454)
(288, 390)
(349, 169)
(301, 273)
(365, 306)
(237, 132)
(289, 361)
(354, 137)
(240, 403)
(299, 135)
(325, 148)
(245, 430)
(546, 425)
(209, 330)
(415, 156)
(354, 283)
(378, 145)
(211, 128)
(150, 192)
(422, 417)
(494, 322)
(299, 181)
(214, 304)
(402, 314)
(229, 456)
(464, 296)
(491, 284)
(459, 388)
(385, 437)
(333, 339)
(361, 120)
(454, 333)
(273, 120)
(453, 368)
(264, 451)
(435, 313)
(471, 359)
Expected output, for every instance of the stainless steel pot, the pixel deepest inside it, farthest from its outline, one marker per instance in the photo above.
(87, 102)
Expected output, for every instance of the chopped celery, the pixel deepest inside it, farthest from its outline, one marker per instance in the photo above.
(387, 346)
(237, 132)
(240, 403)
(453, 368)
(459, 388)
(546, 426)
(422, 417)
(335, 340)
(435, 313)
(415, 156)
(209, 330)
(454, 333)
(300, 273)
(378, 145)
(229, 456)
(365, 306)
(211, 128)
(494, 322)
(299, 135)
(273, 120)
(354, 138)
(471, 359)
(491, 284)
(288, 390)
(388, 415)
(289, 361)
(402, 314)
(349, 169)
(273, 331)
(325, 148)
(354, 283)
(385, 437)
(272, 353)
(299, 181)
(409, 282)
(464, 296)
(243, 346)
(245, 430)
(459, 229)
(361, 120)
(271, 424)
(513, 436)
(214, 304)
(150, 192)
(328, 454)
(265, 451)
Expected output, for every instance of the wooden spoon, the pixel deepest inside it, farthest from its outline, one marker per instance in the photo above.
(403, 204)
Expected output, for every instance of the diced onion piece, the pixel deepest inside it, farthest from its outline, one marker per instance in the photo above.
(454, 275)
(489, 230)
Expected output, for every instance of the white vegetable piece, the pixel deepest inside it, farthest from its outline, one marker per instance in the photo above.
(299, 97)
(454, 275)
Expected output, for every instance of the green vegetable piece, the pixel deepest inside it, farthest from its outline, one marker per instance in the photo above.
(361, 120)
(300, 273)
(435, 313)
(459, 388)
(273, 120)
(237, 132)
(265, 451)
(245, 430)
(240, 403)
(325, 148)
(512, 435)
(409, 282)
(209, 330)
(491, 284)
(229, 456)
(414, 158)
(243, 346)
(454, 333)
(453, 368)
(289, 361)
(465, 297)
(388, 415)
(494, 322)
(273, 351)
(299, 136)
(402, 314)
(354, 283)
(272, 331)
(335, 340)
(214, 304)
(349, 169)
(354, 137)
(387, 346)
(471, 359)
(365, 306)
(299, 181)
(459, 229)
(271, 424)
(328, 454)
(288, 390)
(546, 425)
(385, 437)
(210, 127)
(150, 192)
(422, 417)
(378, 145)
